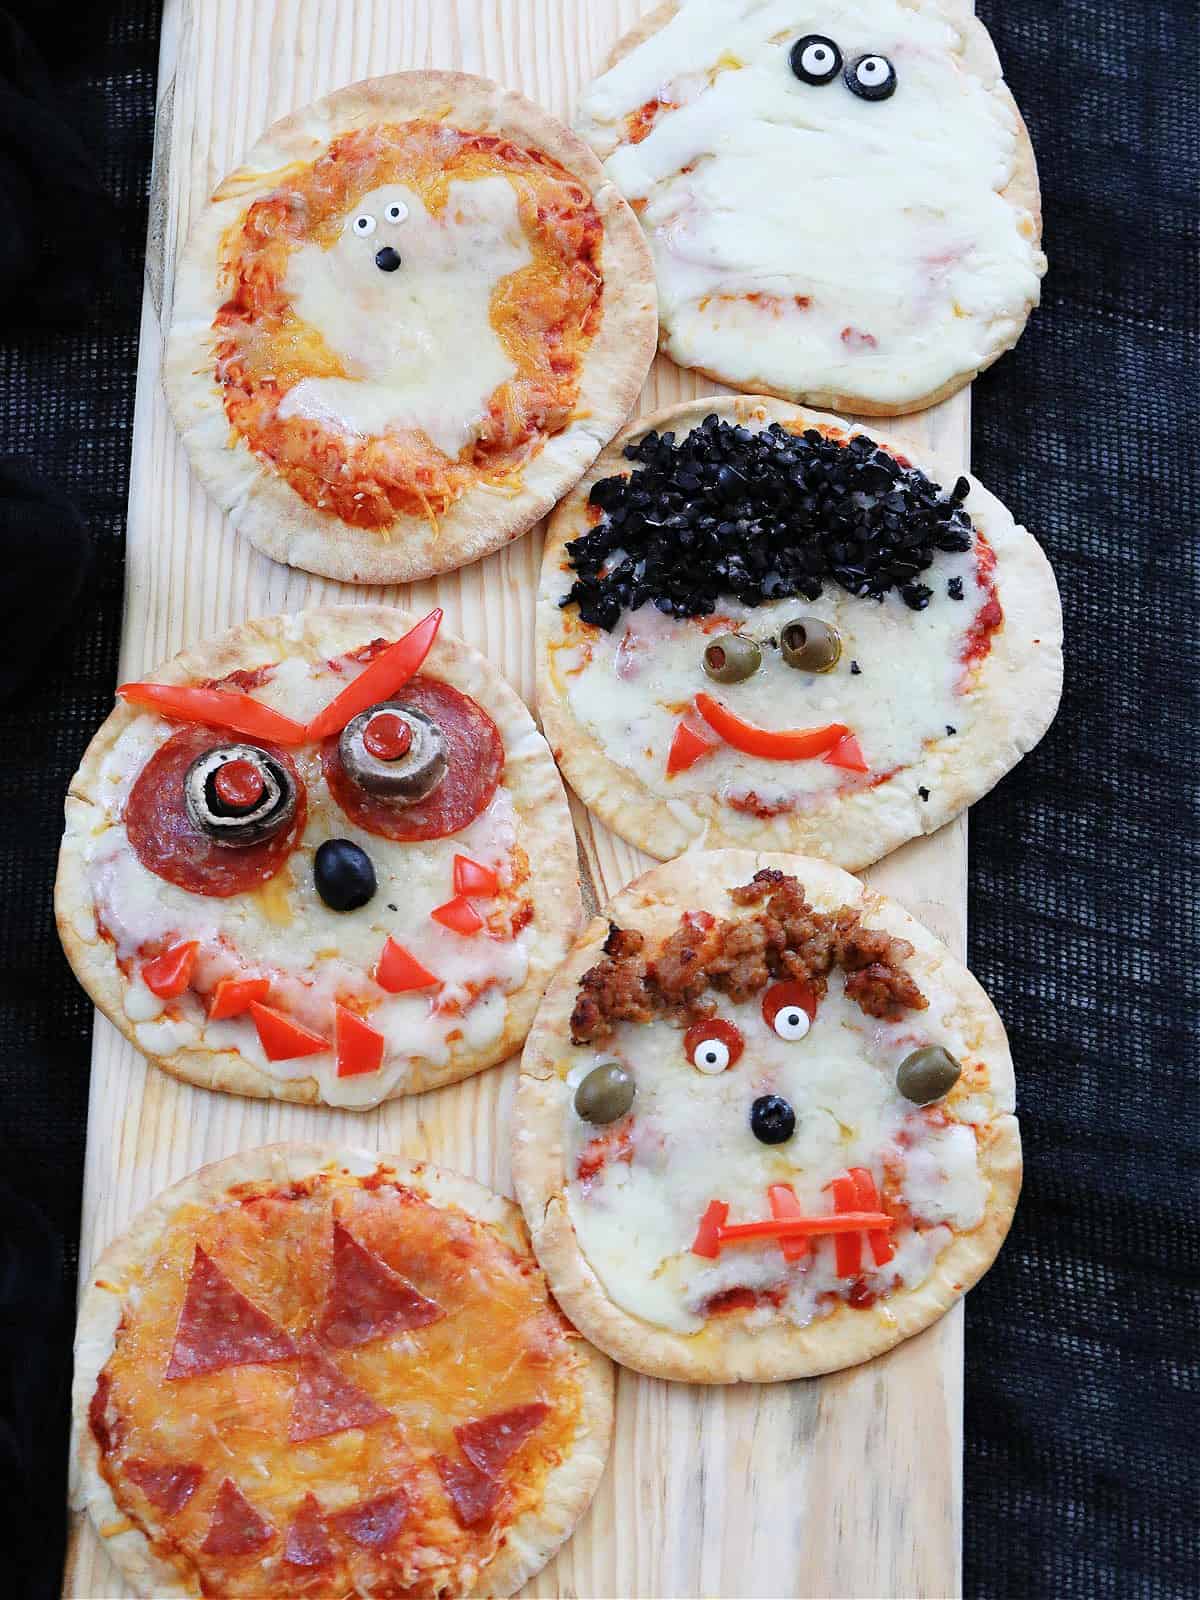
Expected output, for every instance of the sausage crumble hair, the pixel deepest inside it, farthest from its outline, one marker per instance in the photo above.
(784, 938)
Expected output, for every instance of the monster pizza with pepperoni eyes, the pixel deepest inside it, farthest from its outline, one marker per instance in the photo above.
(316, 1372)
(765, 1123)
(326, 857)
(763, 626)
(404, 327)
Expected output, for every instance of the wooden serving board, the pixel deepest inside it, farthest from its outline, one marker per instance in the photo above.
(843, 1486)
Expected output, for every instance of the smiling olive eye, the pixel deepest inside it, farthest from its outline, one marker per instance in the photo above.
(815, 59)
(363, 225)
(788, 1010)
(871, 78)
(396, 212)
(713, 1045)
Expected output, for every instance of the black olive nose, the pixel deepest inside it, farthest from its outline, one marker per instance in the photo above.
(772, 1120)
(387, 259)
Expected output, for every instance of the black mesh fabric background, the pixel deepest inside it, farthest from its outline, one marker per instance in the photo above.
(1082, 1348)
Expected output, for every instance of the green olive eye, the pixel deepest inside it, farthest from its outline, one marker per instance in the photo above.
(605, 1094)
(732, 657)
(810, 644)
(927, 1074)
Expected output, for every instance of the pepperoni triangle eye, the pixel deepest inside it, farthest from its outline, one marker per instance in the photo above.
(713, 1045)
(789, 1009)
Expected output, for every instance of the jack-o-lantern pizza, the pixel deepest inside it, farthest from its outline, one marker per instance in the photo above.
(324, 857)
(765, 627)
(840, 195)
(405, 326)
(765, 1123)
(316, 1372)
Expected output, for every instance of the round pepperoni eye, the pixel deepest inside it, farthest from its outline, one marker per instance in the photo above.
(397, 211)
(713, 1045)
(871, 78)
(788, 1010)
(815, 59)
(363, 225)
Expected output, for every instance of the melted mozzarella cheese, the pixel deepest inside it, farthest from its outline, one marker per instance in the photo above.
(692, 1144)
(417, 343)
(874, 234)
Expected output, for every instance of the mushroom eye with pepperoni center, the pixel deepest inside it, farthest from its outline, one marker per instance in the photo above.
(713, 1045)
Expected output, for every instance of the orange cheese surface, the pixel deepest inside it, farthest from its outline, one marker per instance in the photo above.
(499, 1343)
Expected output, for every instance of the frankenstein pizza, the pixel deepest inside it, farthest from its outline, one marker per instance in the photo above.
(405, 326)
(315, 1372)
(840, 195)
(761, 626)
(325, 857)
(765, 1123)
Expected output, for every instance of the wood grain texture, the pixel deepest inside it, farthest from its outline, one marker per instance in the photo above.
(842, 1486)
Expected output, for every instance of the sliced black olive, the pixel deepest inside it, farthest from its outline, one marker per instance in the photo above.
(731, 657)
(387, 259)
(343, 874)
(927, 1074)
(810, 644)
(236, 795)
(407, 775)
(605, 1094)
(871, 78)
(815, 59)
(772, 1120)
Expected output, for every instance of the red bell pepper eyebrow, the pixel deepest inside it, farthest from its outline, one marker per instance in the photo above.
(215, 708)
(385, 676)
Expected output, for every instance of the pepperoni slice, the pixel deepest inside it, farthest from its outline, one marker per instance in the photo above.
(472, 1493)
(307, 1542)
(493, 1441)
(167, 842)
(475, 757)
(166, 1484)
(367, 1299)
(218, 1327)
(236, 1527)
(374, 1524)
(326, 1402)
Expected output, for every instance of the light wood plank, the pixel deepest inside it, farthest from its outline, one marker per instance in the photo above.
(846, 1486)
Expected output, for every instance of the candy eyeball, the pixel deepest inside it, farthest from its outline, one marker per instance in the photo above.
(815, 59)
(363, 224)
(397, 211)
(788, 1010)
(871, 78)
(713, 1045)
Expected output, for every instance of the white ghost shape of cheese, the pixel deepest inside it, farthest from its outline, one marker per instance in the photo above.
(885, 260)
(416, 342)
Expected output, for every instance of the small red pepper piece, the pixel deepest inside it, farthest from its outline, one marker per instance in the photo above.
(397, 971)
(783, 744)
(459, 915)
(281, 1038)
(389, 672)
(240, 784)
(866, 1197)
(232, 996)
(359, 1048)
(708, 1236)
(784, 1204)
(847, 1247)
(388, 736)
(687, 747)
(847, 752)
(215, 708)
(472, 877)
(169, 974)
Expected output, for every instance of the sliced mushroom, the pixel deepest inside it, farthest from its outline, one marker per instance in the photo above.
(237, 795)
(399, 770)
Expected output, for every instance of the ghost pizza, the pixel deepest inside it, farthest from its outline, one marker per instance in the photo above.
(406, 325)
(315, 1372)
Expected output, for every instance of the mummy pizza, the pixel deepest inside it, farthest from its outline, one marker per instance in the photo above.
(765, 1123)
(405, 326)
(840, 195)
(306, 1371)
(325, 857)
(760, 626)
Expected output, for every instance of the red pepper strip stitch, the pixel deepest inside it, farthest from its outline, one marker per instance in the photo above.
(784, 1204)
(848, 1222)
(866, 1197)
(708, 1237)
(847, 1247)
(387, 674)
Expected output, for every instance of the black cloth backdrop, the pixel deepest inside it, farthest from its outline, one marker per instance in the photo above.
(1082, 1366)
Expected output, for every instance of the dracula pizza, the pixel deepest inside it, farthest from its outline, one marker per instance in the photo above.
(765, 1123)
(325, 857)
(405, 326)
(762, 626)
(314, 1372)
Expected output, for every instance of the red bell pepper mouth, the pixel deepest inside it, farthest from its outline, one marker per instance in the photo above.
(714, 1233)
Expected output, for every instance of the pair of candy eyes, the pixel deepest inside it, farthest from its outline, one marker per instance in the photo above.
(364, 224)
(816, 60)
(715, 1044)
